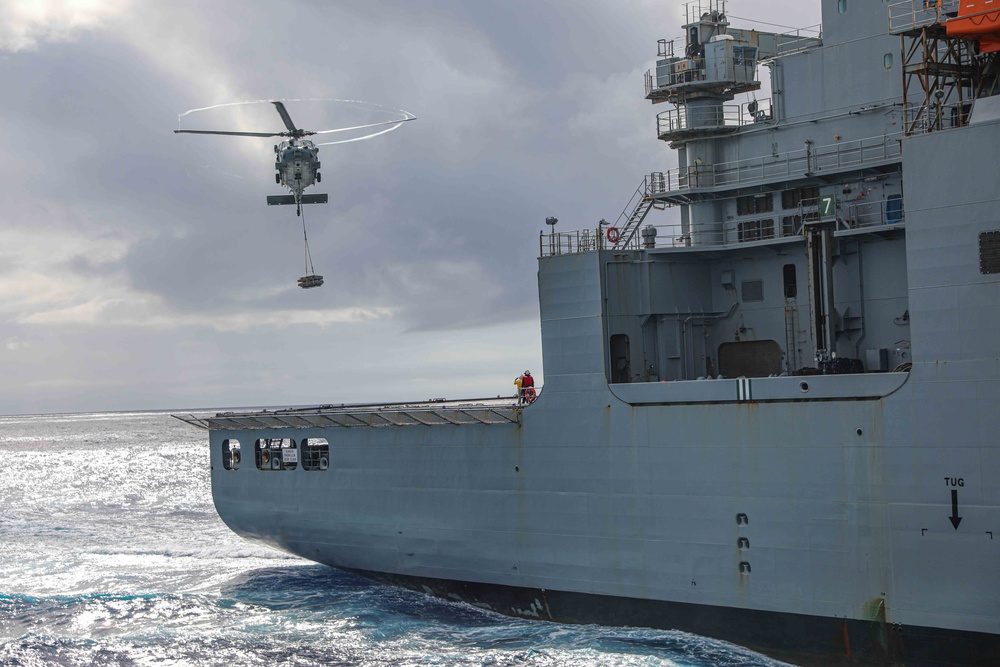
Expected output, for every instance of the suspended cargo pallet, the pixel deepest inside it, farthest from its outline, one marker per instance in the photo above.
(305, 282)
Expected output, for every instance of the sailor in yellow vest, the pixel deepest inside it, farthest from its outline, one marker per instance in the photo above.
(518, 382)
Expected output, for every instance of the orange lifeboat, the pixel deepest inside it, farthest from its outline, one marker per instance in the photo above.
(978, 19)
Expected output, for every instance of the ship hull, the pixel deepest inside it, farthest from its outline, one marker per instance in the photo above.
(810, 641)
(684, 465)
(807, 527)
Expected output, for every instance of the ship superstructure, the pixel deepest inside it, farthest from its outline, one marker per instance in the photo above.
(774, 419)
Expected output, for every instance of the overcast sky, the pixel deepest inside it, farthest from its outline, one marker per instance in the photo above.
(140, 269)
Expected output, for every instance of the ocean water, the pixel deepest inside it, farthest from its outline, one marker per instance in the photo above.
(111, 553)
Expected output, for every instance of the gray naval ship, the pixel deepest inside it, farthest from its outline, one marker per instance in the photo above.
(771, 413)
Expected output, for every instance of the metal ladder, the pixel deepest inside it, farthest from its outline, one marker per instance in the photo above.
(638, 208)
(791, 336)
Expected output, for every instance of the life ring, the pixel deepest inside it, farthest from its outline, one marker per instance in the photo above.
(235, 456)
(265, 456)
(324, 463)
(529, 395)
(613, 234)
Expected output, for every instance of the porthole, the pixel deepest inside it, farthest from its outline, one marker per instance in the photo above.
(231, 454)
(315, 454)
(804, 386)
(276, 454)
(887, 61)
(842, 6)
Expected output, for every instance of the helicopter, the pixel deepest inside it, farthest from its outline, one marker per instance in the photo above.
(297, 167)
(297, 159)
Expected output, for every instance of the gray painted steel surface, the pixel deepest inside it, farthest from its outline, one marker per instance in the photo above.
(862, 495)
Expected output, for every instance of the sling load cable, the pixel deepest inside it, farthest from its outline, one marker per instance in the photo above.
(310, 279)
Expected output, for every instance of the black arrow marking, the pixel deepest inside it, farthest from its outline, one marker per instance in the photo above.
(955, 519)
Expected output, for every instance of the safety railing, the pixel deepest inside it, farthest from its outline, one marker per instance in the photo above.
(685, 70)
(906, 15)
(865, 215)
(800, 39)
(848, 154)
(747, 229)
(686, 120)
(808, 161)
(672, 235)
(937, 116)
(695, 10)
(571, 243)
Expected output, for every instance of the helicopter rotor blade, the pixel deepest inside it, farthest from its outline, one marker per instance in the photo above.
(231, 134)
(361, 127)
(362, 138)
(280, 106)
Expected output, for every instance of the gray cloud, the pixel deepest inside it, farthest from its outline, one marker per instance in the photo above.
(133, 252)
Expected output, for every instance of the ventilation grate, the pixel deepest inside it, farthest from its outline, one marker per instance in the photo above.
(989, 252)
(753, 290)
